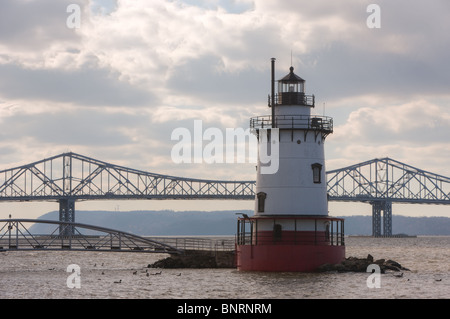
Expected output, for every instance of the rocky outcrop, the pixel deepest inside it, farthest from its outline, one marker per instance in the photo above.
(353, 264)
(198, 259)
(226, 259)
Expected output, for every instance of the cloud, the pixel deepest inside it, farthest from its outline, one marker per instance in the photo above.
(82, 127)
(414, 122)
(230, 6)
(98, 87)
(83, 87)
(30, 30)
(204, 50)
(415, 133)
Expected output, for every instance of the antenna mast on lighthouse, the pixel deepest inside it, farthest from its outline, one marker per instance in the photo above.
(273, 91)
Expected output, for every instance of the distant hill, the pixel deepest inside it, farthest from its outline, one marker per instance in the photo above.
(171, 223)
(155, 223)
(433, 226)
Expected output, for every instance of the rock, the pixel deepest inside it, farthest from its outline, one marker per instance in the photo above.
(356, 264)
(197, 259)
(327, 267)
(393, 263)
(379, 261)
(353, 264)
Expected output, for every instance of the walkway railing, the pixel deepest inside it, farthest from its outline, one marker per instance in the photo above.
(192, 243)
(15, 235)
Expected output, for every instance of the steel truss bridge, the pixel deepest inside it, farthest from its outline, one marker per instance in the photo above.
(382, 182)
(70, 177)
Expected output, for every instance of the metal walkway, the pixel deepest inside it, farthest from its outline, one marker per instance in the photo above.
(15, 235)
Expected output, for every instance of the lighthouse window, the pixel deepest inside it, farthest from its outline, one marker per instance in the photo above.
(277, 232)
(317, 170)
(261, 201)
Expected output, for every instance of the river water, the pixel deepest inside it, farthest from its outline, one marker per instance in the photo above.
(43, 274)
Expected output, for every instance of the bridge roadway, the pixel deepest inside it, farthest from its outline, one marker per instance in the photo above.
(69, 177)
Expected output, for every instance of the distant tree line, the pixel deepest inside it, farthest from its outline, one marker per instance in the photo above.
(191, 223)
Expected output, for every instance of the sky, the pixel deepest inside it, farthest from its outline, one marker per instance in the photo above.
(117, 85)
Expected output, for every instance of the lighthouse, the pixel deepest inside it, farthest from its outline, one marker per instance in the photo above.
(290, 229)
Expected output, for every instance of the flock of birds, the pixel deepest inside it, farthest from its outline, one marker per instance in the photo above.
(136, 272)
(398, 275)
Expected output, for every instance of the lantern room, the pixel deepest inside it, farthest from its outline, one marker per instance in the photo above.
(291, 83)
(291, 91)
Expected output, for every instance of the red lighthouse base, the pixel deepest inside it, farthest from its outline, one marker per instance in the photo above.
(288, 251)
(299, 258)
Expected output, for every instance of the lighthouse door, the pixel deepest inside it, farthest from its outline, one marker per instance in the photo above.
(277, 232)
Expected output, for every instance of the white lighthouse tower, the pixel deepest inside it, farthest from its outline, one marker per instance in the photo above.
(290, 229)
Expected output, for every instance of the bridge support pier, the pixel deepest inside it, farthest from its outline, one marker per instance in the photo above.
(66, 214)
(377, 208)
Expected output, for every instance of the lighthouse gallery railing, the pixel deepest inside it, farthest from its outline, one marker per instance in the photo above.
(301, 122)
(248, 233)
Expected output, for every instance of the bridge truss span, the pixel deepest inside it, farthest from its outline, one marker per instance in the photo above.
(76, 177)
(382, 182)
(387, 179)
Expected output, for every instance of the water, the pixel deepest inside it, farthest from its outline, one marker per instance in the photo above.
(34, 275)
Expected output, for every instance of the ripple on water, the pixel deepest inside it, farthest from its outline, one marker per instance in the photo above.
(43, 275)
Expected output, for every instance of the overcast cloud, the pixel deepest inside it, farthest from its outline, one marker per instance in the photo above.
(117, 87)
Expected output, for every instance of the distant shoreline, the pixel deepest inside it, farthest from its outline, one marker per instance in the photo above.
(392, 236)
(223, 223)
